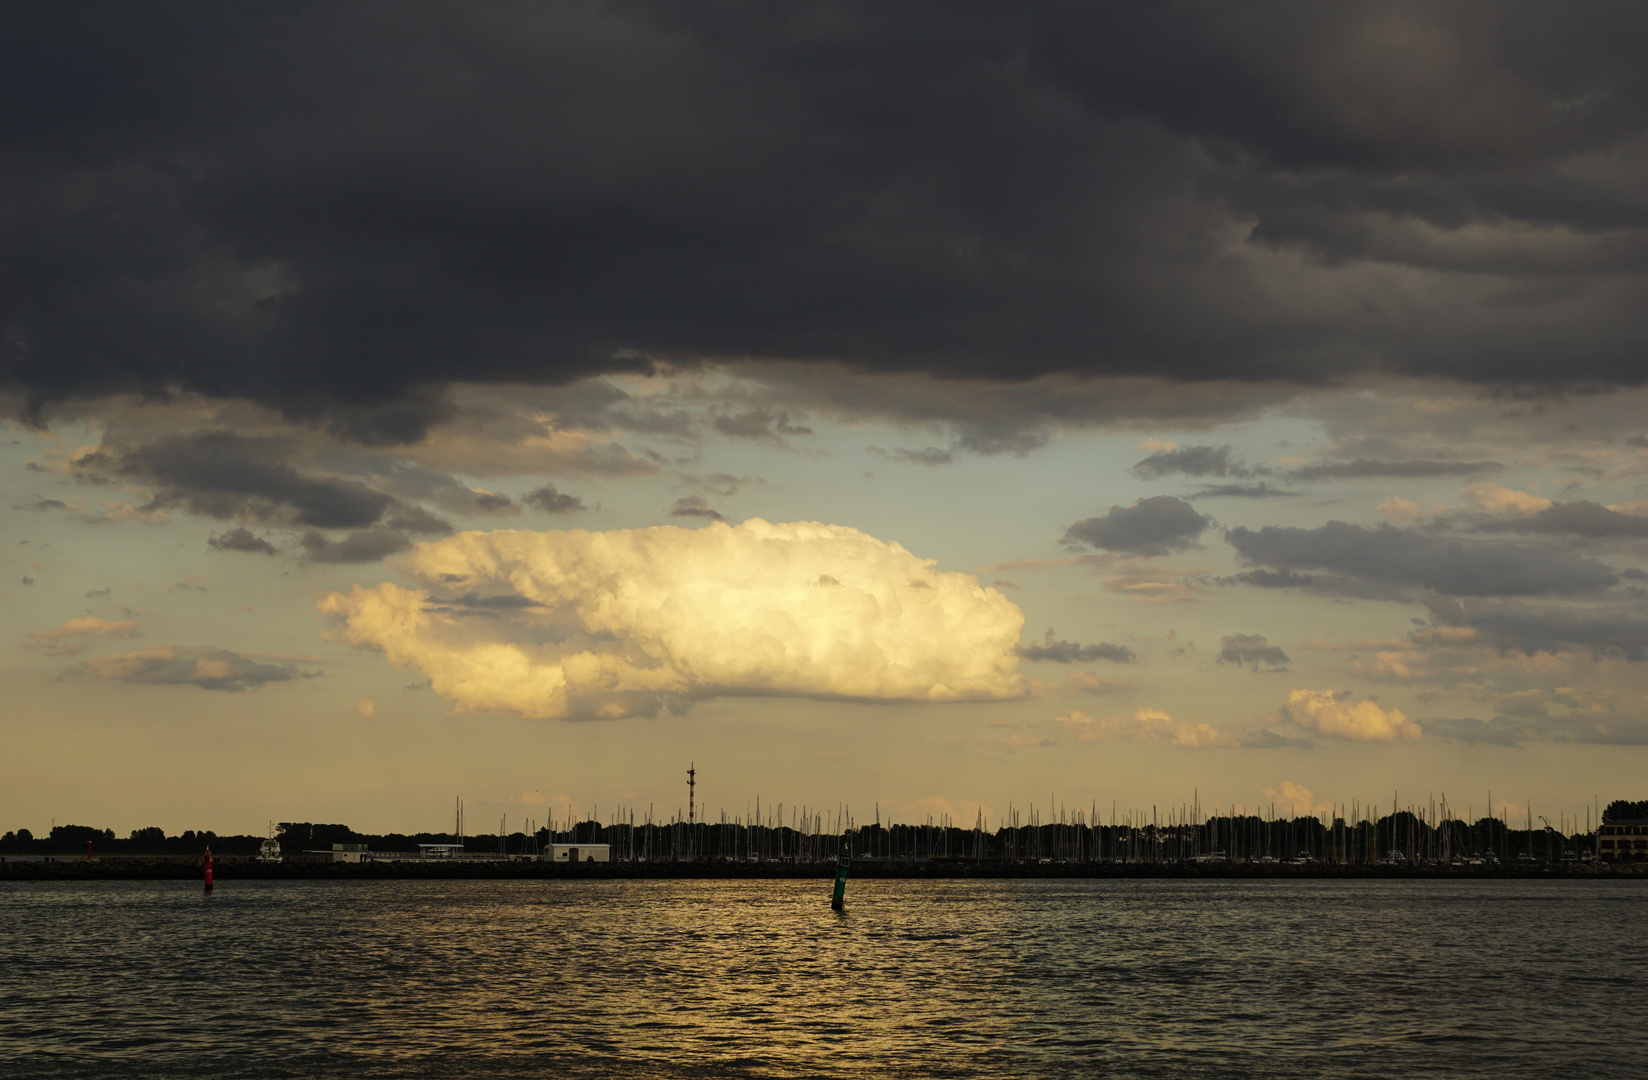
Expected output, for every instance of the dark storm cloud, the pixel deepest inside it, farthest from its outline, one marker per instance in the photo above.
(1252, 650)
(1058, 651)
(1364, 468)
(1390, 557)
(336, 209)
(1581, 518)
(1153, 526)
(551, 501)
(1191, 461)
(241, 539)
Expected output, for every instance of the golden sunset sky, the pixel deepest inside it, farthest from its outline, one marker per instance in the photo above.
(923, 410)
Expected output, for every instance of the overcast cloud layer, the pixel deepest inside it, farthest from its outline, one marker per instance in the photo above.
(338, 209)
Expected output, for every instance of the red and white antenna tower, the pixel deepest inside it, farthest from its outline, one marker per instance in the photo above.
(692, 783)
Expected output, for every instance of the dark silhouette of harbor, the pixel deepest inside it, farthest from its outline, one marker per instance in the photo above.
(1419, 841)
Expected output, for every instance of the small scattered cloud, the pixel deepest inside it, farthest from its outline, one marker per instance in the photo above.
(695, 506)
(1056, 651)
(723, 484)
(1147, 725)
(1252, 650)
(1513, 626)
(1298, 798)
(366, 709)
(69, 638)
(1145, 581)
(1498, 731)
(1190, 461)
(551, 501)
(1327, 713)
(1085, 682)
(1399, 511)
(225, 475)
(361, 546)
(1243, 491)
(1269, 579)
(206, 667)
(760, 425)
(1149, 527)
(1580, 519)
(930, 456)
(1394, 560)
(241, 539)
(1369, 469)
(1491, 498)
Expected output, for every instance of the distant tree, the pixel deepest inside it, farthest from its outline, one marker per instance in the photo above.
(72, 839)
(1623, 810)
(151, 839)
(325, 836)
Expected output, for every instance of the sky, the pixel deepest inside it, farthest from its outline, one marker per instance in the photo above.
(930, 409)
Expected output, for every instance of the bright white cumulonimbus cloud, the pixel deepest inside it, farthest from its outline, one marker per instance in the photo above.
(626, 622)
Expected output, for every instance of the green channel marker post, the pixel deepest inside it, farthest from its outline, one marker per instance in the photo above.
(838, 901)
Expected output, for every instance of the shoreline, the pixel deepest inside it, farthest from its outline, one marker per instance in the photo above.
(138, 869)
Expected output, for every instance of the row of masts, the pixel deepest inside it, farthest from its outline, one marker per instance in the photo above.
(1352, 833)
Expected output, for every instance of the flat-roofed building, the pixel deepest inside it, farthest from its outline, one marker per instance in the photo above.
(342, 852)
(1620, 840)
(577, 853)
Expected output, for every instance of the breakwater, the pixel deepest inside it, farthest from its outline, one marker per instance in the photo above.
(231, 870)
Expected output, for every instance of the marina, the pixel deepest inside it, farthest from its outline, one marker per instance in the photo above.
(1354, 839)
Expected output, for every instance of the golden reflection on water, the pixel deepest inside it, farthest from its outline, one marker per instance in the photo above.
(760, 978)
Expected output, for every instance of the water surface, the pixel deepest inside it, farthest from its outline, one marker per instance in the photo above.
(759, 979)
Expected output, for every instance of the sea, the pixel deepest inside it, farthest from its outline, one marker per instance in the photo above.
(666, 978)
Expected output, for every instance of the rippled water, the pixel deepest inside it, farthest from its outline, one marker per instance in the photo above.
(696, 978)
